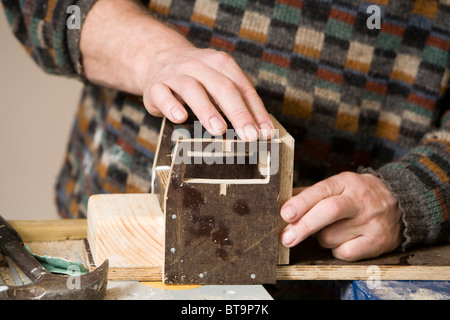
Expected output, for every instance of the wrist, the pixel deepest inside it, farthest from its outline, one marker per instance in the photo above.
(120, 43)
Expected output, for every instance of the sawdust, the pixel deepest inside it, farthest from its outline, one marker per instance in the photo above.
(389, 293)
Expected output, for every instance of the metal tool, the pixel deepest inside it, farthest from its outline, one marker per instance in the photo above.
(45, 285)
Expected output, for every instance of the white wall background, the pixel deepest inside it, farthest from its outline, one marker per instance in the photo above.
(36, 114)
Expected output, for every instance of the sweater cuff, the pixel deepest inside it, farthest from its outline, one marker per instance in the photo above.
(415, 206)
(73, 37)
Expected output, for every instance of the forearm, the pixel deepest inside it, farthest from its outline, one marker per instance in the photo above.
(125, 48)
(120, 42)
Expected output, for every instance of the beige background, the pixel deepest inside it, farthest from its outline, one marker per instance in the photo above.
(36, 114)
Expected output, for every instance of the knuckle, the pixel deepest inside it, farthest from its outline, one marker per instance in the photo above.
(324, 189)
(347, 175)
(240, 114)
(191, 66)
(325, 239)
(350, 178)
(153, 110)
(189, 86)
(226, 87)
(223, 58)
(305, 227)
(335, 206)
(158, 99)
(382, 236)
(154, 89)
(379, 244)
(387, 202)
(209, 52)
(345, 252)
(249, 93)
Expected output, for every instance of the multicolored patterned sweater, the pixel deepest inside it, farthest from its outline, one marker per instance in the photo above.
(352, 96)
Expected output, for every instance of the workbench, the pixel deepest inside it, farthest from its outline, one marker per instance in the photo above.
(420, 274)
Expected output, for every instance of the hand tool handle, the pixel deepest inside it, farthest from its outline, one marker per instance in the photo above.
(11, 245)
(7, 233)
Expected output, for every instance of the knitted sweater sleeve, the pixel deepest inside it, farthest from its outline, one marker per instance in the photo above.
(41, 27)
(420, 181)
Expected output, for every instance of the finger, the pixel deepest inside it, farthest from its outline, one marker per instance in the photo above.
(298, 205)
(337, 233)
(358, 248)
(297, 190)
(256, 107)
(252, 99)
(228, 97)
(258, 110)
(159, 99)
(326, 212)
(154, 111)
(230, 68)
(195, 96)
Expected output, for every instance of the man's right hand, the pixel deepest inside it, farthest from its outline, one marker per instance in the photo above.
(125, 48)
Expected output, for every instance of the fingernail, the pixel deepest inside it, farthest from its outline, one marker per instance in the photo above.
(288, 213)
(217, 125)
(177, 114)
(267, 132)
(250, 132)
(288, 237)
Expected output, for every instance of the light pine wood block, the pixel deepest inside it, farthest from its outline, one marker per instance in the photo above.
(127, 229)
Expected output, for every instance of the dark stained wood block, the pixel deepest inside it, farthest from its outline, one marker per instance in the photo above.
(223, 229)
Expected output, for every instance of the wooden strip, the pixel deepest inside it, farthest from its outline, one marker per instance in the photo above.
(50, 230)
(135, 274)
(363, 272)
(429, 263)
(286, 179)
(300, 272)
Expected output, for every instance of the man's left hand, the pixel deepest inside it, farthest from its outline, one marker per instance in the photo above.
(353, 214)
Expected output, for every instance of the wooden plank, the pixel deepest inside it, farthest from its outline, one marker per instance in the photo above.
(50, 230)
(286, 180)
(308, 260)
(362, 272)
(308, 272)
(135, 274)
(429, 263)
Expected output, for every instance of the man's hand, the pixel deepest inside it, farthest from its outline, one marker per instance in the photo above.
(355, 215)
(204, 78)
(125, 48)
